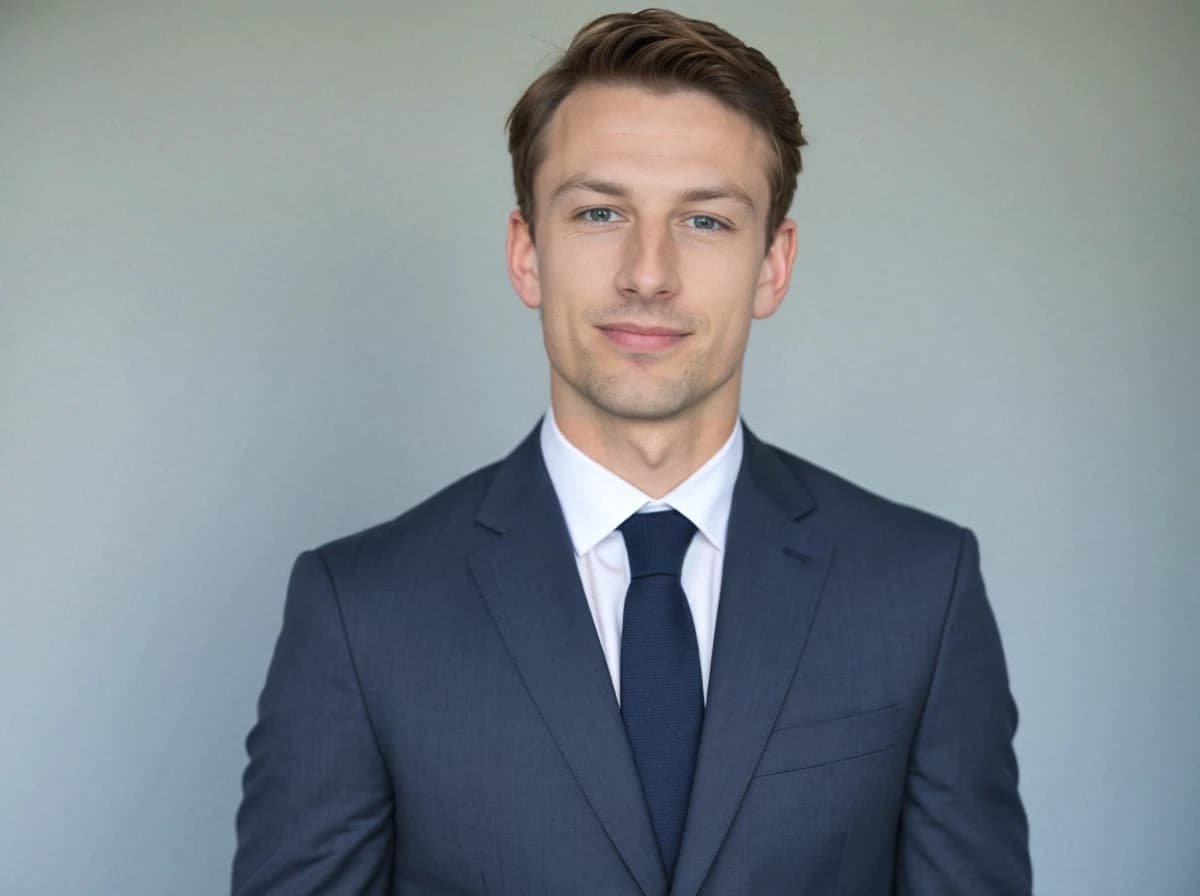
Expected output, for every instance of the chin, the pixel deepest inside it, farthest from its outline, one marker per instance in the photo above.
(640, 404)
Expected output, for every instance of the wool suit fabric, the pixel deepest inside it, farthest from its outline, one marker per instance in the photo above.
(438, 717)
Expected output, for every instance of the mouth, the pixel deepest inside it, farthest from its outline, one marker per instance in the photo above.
(638, 338)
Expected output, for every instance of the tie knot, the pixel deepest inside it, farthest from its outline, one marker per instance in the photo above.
(656, 542)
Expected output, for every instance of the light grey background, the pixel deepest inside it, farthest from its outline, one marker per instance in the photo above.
(252, 297)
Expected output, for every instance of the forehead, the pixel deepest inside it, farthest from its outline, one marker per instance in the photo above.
(646, 137)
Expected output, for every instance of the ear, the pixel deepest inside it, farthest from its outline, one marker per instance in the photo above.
(523, 261)
(776, 271)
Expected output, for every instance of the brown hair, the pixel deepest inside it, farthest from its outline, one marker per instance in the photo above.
(664, 51)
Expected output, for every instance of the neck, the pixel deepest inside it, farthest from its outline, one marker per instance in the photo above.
(655, 455)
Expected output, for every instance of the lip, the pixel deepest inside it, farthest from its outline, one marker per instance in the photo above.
(636, 337)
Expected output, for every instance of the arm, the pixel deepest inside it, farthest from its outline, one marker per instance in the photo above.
(962, 828)
(316, 813)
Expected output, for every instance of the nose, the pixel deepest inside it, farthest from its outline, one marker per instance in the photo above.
(649, 269)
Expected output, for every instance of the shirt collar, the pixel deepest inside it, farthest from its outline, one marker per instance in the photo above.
(595, 500)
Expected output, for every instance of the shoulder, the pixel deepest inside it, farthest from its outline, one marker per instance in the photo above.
(896, 564)
(868, 525)
(427, 536)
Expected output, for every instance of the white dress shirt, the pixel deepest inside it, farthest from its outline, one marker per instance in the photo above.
(595, 501)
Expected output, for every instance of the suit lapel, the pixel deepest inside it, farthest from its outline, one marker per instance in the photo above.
(529, 581)
(774, 569)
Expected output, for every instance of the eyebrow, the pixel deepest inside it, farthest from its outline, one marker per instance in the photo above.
(697, 194)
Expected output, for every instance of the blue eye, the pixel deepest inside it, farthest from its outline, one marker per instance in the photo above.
(598, 215)
(706, 222)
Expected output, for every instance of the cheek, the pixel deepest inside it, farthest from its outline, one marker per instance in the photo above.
(571, 276)
(583, 257)
(576, 281)
(562, 325)
(730, 338)
(728, 299)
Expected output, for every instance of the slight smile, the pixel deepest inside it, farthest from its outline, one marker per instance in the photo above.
(643, 339)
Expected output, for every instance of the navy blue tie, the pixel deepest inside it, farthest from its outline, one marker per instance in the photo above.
(662, 698)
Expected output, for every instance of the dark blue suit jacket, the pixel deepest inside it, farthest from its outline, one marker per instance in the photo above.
(438, 717)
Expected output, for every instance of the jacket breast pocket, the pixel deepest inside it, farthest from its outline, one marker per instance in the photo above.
(833, 740)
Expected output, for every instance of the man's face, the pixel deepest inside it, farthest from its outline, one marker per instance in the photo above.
(650, 260)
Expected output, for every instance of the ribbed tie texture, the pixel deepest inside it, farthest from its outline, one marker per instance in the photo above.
(662, 698)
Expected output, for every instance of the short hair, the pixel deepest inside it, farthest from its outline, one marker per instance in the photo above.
(664, 51)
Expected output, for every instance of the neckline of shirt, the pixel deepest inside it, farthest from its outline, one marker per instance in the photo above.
(595, 500)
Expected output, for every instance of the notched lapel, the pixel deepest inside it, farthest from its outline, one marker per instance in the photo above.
(774, 570)
(530, 584)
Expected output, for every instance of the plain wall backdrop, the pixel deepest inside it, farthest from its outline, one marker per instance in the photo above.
(252, 297)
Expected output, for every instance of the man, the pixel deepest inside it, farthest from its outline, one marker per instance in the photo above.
(646, 652)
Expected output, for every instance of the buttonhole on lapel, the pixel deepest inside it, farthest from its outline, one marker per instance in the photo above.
(792, 552)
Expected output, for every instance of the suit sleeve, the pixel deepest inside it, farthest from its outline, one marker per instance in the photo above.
(963, 828)
(317, 803)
